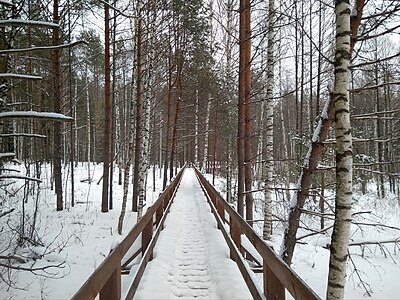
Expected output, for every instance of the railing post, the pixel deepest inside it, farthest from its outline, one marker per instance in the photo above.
(112, 289)
(159, 213)
(220, 208)
(235, 233)
(273, 288)
(147, 234)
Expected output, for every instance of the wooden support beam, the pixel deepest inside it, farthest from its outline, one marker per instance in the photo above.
(273, 288)
(112, 289)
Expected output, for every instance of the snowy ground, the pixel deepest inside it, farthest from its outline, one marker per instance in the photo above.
(80, 237)
(378, 266)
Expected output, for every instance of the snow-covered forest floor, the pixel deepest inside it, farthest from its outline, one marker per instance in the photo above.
(76, 240)
(373, 270)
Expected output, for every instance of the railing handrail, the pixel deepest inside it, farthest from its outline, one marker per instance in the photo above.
(280, 274)
(112, 263)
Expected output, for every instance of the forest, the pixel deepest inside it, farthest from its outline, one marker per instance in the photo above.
(291, 108)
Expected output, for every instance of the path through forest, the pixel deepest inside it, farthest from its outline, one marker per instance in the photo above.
(191, 259)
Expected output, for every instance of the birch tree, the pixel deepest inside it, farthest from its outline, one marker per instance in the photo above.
(344, 154)
(149, 81)
(206, 136)
(269, 145)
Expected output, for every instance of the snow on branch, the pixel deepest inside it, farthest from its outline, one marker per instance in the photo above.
(21, 134)
(21, 22)
(7, 154)
(35, 115)
(19, 76)
(5, 2)
(22, 50)
(9, 176)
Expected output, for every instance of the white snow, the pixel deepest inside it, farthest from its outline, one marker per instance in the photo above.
(34, 114)
(20, 76)
(6, 154)
(21, 22)
(80, 237)
(191, 258)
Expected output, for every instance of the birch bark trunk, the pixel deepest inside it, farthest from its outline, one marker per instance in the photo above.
(206, 136)
(269, 145)
(139, 107)
(196, 130)
(344, 155)
(145, 140)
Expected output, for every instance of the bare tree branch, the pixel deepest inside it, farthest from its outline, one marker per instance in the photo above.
(32, 49)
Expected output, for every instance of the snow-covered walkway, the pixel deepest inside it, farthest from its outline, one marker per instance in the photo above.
(191, 258)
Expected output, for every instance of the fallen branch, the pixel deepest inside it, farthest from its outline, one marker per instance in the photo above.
(364, 243)
(6, 213)
(18, 258)
(365, 285)
(9, 176)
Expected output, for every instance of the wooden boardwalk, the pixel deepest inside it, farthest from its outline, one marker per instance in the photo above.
(191, 258)
(191, 244)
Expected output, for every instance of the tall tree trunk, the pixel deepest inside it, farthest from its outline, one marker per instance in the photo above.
(246, 48)
(179, 60)
(169, 104)
(205, 162)
(241, 109)
(57, 146)
(113, 111)
(344, 159)
(138, 129)
(107, 111)
(128, 149)
(196, 130)
(71, 109)
(269, 146)
(229, 89)
(149, 82)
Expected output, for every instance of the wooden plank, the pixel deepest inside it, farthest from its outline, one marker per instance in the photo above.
(235, 233)
(112, 289)
(159, 213)
(236, 256)
(92, 286)
(291, 281)
(147, 234)
(273, 288)
(147, 255)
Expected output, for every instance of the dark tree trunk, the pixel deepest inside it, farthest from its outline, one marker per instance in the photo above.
(244, 119)
(135, 191)
(57, 109)
(107, 100)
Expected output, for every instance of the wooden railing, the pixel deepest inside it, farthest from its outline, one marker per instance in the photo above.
(277, 275)
(106, 279)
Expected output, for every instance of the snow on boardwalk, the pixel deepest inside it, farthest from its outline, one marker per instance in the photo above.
(191, 258)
